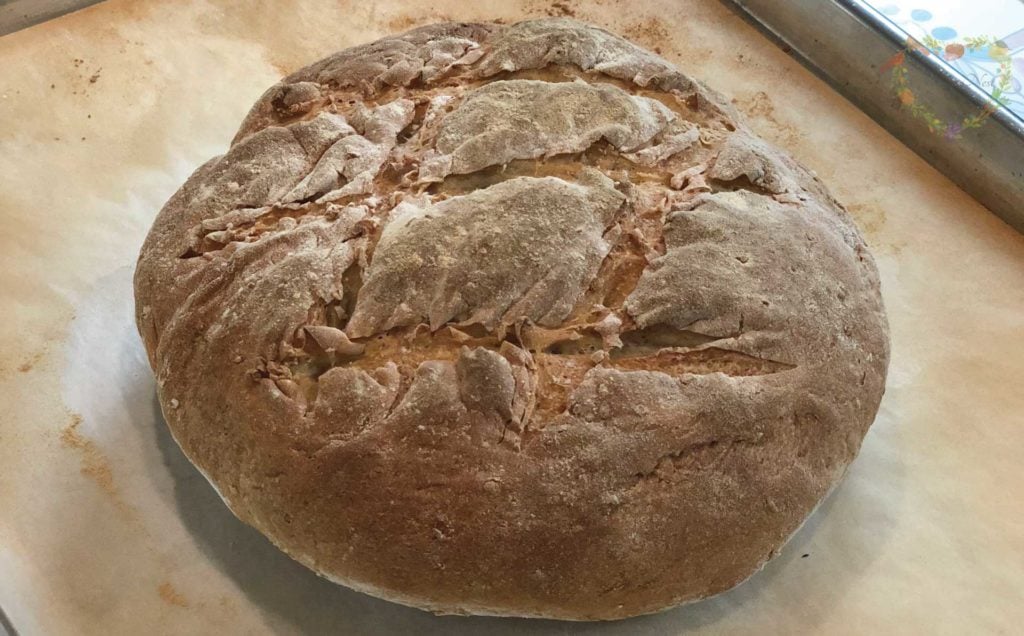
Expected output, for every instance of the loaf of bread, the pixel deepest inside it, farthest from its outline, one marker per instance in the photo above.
(512, 320)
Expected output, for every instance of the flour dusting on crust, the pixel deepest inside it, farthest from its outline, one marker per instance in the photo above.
(513, 320)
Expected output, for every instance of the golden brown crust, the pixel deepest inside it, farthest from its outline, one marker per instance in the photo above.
(512, 320)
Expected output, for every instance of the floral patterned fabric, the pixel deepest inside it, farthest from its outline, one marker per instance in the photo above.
(983, 40)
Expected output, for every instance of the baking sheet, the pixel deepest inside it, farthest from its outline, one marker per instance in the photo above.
(106, 529)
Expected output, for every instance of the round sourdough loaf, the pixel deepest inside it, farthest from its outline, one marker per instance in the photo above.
(513, 320)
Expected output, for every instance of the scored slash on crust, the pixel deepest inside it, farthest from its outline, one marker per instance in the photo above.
(448, 120)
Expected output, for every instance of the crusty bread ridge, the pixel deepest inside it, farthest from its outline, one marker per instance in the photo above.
(512, 320)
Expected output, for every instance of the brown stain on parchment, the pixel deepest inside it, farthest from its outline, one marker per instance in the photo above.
(871, 219)
(29, 364)
(665, 39)
(650, 32)
(416, 18)
(170, 595)
(560, 10)
(8, 368)
(94, 464)
(401, 23)
(873, 224)
(760, 108)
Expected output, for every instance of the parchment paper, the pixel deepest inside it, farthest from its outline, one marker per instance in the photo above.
(106, 529)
